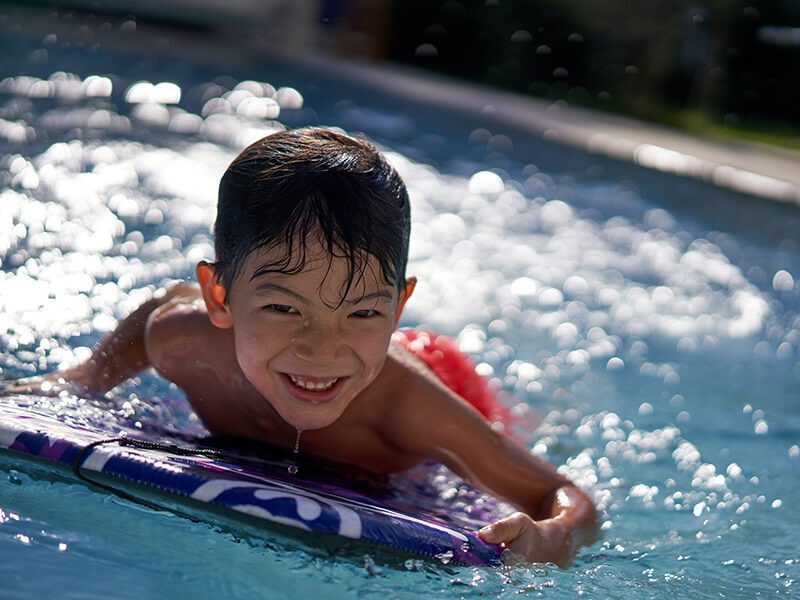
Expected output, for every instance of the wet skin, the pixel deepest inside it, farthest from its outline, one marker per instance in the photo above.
(280, 353)
(287, 353)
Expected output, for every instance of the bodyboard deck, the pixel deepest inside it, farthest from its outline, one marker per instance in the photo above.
(261, 483)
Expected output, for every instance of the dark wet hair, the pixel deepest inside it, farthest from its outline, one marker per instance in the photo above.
(312, 182)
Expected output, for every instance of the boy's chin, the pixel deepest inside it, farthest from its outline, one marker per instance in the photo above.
(310, 420)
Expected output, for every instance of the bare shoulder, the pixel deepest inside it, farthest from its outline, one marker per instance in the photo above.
(179, 336)
(181, 315)
(418, 409)
(425, 419)
(185, 347)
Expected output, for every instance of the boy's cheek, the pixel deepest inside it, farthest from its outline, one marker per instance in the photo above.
(246, 355)
(375, 357)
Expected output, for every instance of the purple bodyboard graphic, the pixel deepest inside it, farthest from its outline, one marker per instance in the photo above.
(245, 483)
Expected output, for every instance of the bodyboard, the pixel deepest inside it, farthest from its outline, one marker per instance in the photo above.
(269, 487)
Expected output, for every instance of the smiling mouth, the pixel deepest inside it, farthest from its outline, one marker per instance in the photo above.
(316, 390)
(313, 385)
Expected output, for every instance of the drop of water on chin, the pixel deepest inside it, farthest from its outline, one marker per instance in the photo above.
(297, 441)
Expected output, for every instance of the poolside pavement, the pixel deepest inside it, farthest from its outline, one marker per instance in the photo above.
(748, 167)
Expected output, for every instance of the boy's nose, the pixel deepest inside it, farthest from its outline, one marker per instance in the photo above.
(319, 343)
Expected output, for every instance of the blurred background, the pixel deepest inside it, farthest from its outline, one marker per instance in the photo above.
(721, 68)
(589, 183)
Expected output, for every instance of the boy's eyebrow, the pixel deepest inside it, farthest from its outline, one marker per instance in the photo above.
(268, 286)
(384, 293)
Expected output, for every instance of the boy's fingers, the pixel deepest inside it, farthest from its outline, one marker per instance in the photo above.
(506, 529)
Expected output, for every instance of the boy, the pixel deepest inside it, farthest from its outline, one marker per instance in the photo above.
(290, 331)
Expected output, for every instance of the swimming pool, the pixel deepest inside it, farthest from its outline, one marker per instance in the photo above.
(648, 325)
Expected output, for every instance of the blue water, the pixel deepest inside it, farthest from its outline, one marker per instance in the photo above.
(646, 326)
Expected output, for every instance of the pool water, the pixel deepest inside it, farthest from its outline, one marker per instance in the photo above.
(646, 326)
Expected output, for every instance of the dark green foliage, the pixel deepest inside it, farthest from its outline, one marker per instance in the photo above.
(646, 58)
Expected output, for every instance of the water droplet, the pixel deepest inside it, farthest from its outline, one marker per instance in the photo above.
(783, 282)
(292, 469)
(426, 50)
(413, 564)
(13, 477)
(370, 566)
(445, 557)
(296, 449)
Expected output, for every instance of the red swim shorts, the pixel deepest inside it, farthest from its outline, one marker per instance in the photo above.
(455, 371)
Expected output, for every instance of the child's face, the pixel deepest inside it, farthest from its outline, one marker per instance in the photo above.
(306, 353)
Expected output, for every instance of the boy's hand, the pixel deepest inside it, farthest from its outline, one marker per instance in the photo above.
(542, 541)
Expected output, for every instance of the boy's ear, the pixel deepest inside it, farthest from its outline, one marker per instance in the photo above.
(405, 294)
(214, 295)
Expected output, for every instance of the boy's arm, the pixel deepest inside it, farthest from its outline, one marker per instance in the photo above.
(118, 356)
(557, 517)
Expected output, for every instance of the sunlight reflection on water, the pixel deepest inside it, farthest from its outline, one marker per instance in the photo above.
(626, 331)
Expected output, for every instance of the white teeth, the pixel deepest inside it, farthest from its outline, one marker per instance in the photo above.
(314, 386)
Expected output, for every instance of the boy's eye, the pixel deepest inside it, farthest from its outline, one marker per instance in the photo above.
(364, 314)
(281, 308)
